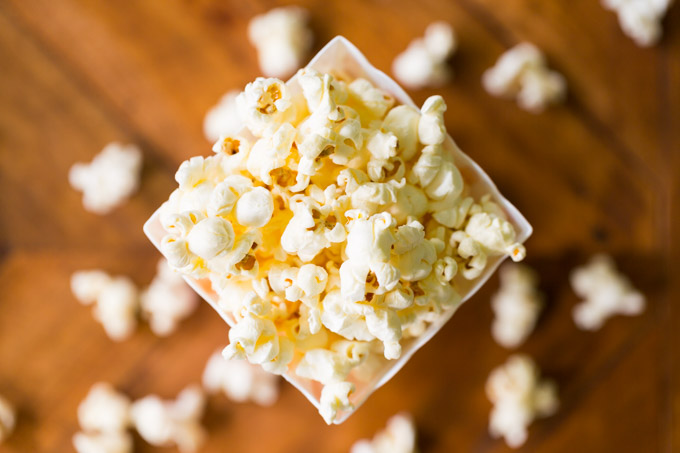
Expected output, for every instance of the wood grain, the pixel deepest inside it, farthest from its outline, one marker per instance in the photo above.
(599, 173)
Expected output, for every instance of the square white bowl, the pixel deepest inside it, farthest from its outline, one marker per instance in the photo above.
(341, 56)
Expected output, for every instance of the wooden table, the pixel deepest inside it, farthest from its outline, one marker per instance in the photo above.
(598, 173)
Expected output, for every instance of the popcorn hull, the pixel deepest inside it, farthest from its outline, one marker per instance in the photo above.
(341, 56)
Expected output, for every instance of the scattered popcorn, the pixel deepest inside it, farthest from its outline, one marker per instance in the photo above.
(223, 119)
(165, 423)
(640, 19)
(167, 300)
(7, 419)
(114, 442)
(424, 62)
(282, 39)
(115, 301)
(399, 436)
(332, 228)
(522, 72)
(519, 396)
(111, 177)
(606, 292)
(240, 381)
(104, 409)
(104, 416)
(516, 305)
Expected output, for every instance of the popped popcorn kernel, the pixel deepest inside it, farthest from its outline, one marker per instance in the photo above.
(110, 179)
(519, 397)
(424, 62)
(399, 436)
(167, 300)
(115, 300)
(174, 422)
(104, 416)
(640, 19)
(240, 381)
(7, 419)
(522, 73)
(606, 292)
(223, 119)
(516, 305)
(282, 39)
(335, 228)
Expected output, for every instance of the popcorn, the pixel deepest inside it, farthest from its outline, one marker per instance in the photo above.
(606, 292)
(115, 298)
(331, 229)
(104, 410)
(516, 305)
(223, 119)
(424, 62)
(399, 436)
(255, 208)
(282, 39)
(263, 104)
(240, 381)
(165, 423)
(167, 300)
(522, 72)
(640, 19)
(104, 416)
(335, 398)
(103, 442)
(7, 419)
(110, 179)
(327, 366)
(519, 397)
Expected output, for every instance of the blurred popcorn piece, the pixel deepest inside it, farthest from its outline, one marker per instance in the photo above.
(424, 62)
(104, 416)
(522, 73)
(115, 442)
(606, 292)
(282, 39)
(111, 177)
(335, 398)
(223, 119)
(7, 419)
(166, 423)
(115, 301)
(104, 409)
(519, 396)
(240, 381)
(399, 436)
(640, 19)
(516, 305)
(167, 300)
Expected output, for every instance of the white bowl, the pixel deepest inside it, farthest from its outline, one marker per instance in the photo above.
(340, 55)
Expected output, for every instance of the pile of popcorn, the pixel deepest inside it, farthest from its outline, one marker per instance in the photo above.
(331, 228)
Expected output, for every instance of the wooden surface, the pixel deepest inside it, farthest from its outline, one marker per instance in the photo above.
(599, 173)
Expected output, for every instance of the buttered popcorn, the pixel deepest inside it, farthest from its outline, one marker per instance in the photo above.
(399, 436)
(104, 416)
(333, 227)
(640, 19)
